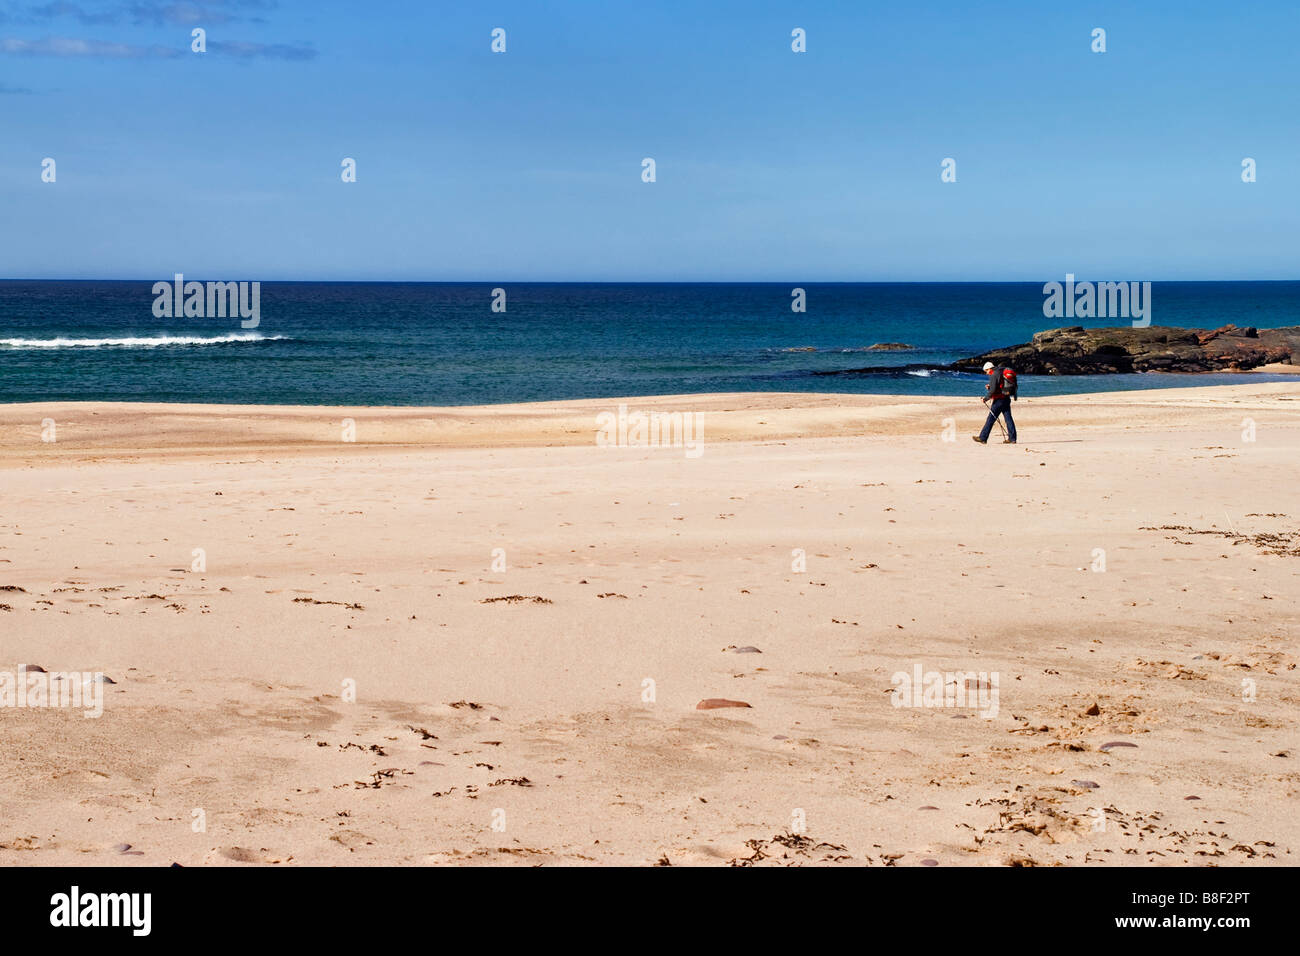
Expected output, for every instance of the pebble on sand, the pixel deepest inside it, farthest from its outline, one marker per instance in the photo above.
(1086, 784)
(1116, 743)
(31, 669)
(713, 703)
(748, 649)
(1092, 711)
(929, 862)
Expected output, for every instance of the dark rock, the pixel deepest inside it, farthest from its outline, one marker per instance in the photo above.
(1075, 350)
(1079, 351)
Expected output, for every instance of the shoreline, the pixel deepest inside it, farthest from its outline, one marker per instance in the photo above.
(97, 430)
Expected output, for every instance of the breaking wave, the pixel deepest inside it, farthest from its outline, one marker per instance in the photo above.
(138, 342)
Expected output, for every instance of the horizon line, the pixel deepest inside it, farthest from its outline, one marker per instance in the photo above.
(1078, 277)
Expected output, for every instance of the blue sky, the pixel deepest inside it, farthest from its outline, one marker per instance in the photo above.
(771, 165)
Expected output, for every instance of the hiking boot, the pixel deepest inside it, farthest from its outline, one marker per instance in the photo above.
(978, 439)
(1007, 441)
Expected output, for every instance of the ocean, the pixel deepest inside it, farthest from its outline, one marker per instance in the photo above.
(324, 343)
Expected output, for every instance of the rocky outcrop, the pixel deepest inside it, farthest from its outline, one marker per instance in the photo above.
(1080, 351)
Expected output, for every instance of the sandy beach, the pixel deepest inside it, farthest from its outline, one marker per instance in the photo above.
(474, 636)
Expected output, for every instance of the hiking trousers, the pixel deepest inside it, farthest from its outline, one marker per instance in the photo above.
(999, 406)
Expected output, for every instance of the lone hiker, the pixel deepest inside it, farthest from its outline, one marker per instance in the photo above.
(1001, 389)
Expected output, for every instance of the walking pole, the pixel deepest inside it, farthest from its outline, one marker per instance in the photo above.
(997, 419)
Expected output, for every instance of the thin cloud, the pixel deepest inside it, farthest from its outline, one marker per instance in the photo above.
(179, 13)
(184, 13)
(267, 51)
(190, 14)
(6, 90)
(61, 9)
(74, 47)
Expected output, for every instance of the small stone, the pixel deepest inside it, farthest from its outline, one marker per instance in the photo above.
(1086, 784)
(1191, 798)
(31, 669)
(1092, 711)
(929, 862)
(748, 649)
(1116, 743)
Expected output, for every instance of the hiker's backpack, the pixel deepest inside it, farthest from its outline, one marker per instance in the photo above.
(1010, 385)
(1002, 383)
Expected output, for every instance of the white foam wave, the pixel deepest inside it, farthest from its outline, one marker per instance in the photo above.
(137, 342)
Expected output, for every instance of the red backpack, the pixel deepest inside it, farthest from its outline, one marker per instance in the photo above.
(1010, 385)
(1003, 384)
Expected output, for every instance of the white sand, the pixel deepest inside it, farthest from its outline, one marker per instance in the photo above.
(919, 551)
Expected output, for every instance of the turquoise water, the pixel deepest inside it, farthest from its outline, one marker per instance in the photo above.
(441, 343)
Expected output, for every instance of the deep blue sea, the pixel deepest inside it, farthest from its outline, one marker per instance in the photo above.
(441, 343)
